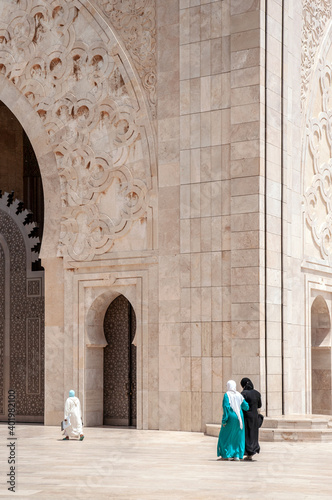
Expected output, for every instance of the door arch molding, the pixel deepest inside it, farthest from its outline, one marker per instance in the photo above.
(37, 135)
(97, 296)
(95, 317)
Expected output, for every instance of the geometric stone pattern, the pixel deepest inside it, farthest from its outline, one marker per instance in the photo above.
(26, 340)
(33, 368)
(76, 83)
(119, 370)
(34, 287)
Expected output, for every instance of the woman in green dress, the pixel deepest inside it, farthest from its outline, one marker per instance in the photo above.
(231, 442)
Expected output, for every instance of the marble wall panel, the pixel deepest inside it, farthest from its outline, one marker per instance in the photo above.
(186, 411)
(170, 410)
(205, 84)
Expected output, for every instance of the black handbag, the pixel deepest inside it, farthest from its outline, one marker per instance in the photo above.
(260, 419)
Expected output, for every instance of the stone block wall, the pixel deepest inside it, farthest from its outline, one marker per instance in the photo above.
(206, 238)
(231, 270)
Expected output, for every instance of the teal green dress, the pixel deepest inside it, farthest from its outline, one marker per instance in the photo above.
(231, 442)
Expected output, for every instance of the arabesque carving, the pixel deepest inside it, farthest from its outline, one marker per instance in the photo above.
(79, 89)
(135, 21)
(318, 195)
(316, 14)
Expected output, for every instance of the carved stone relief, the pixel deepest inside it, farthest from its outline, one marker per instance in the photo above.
(316, 14)
(318, 163)
(76, 82)
(135, 21)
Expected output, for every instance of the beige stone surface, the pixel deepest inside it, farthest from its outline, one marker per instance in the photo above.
(128, 464)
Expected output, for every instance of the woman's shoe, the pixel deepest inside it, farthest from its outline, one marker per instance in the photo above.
(81, 437)
(236, 459)
(65, 438)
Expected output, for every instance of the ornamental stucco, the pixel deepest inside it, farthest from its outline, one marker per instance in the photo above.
(318, 163)
(76, 82)
(316, 14)
(135, 21)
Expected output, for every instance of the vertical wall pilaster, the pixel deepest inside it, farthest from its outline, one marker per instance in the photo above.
(204, 209)
(168, 64)
(247, 191)
(54, 341)
(274, 204)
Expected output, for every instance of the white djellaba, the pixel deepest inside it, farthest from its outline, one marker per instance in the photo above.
(74, 414)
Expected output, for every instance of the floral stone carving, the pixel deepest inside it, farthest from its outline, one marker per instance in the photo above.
(134, 20)
(316, 14)
(95, 123)
(318, 168)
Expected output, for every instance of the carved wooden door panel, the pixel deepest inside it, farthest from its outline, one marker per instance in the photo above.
(21, 315)
(120, 364)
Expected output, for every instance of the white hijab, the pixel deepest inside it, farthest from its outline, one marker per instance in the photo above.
(235, 399)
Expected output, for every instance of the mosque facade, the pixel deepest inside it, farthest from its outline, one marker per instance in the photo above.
(166, 207)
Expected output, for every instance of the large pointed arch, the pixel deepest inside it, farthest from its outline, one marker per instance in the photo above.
(67, 62)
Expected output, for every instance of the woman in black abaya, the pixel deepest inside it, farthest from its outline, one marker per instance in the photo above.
(251, 422)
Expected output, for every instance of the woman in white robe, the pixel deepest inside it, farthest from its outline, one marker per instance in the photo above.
(73, 414)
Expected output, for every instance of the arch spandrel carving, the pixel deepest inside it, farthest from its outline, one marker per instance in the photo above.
(136, 24)
(315, 17)
(317, 160)
(82, 89)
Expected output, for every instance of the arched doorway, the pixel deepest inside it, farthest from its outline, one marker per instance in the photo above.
(320, 357)
(120, 364)
(21, 274)
(19, 169)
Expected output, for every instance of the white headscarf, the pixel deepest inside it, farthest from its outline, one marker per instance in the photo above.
(235, 399)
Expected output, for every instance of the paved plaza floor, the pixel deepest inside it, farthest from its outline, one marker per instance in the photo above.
(113, 463)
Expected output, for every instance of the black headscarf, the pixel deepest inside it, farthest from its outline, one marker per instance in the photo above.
(247, 384)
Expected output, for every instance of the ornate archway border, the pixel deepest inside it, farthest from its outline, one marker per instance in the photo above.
(21, 108)
(88, 97)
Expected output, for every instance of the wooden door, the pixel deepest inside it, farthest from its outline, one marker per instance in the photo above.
(120, 364)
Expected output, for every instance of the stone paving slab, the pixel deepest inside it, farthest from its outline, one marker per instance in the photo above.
(128, 464)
